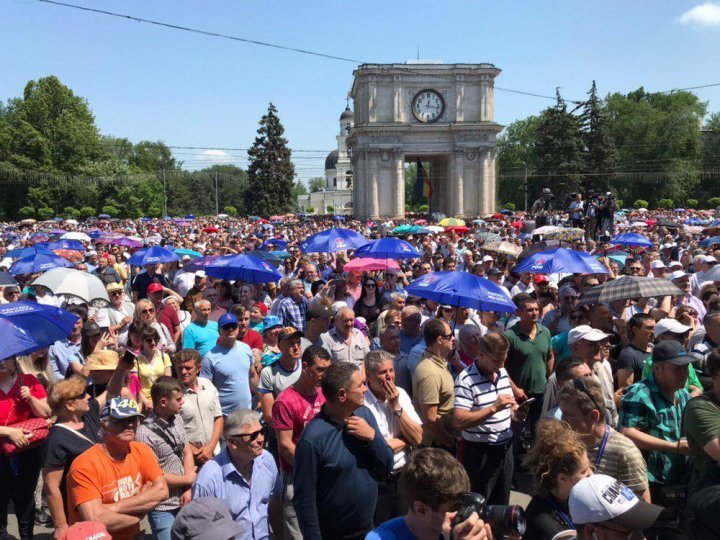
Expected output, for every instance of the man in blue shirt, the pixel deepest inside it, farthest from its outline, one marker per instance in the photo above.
(246, 477)
(293, 310)
(65, 354)
(338, 458)
(229, 366)
(411, 334)
(433, 482)
(201, 334)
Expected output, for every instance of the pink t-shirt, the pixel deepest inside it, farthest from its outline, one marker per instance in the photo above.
(292, 410)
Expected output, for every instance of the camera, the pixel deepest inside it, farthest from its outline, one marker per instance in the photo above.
(502, 519)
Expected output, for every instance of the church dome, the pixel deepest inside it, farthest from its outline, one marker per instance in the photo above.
(331, 160)
(347, 114)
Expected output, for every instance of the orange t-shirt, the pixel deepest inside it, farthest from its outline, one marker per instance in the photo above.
(95, 475)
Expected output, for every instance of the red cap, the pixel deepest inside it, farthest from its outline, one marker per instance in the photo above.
(84, 530)
(538, 279)
(262, 307)
(155, 287)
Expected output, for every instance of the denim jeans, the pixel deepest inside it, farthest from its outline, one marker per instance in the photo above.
(161, 522)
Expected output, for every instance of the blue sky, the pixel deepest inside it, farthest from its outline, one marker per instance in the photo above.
(148, 82)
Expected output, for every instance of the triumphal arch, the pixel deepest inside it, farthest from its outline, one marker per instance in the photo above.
(440, 114)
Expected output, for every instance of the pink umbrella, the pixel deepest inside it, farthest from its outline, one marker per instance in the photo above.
(367, 263)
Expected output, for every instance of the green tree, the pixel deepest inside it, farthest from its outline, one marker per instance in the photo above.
(692, 203)
(110, 210)
(87, 212)
(315, 184)
(665, 203)
(559, 146)
(45, 213)
(310, 210)
(518, 155)
(600, 154)
(26, 212)
(640, 203)
(230, 211)
(271, 174)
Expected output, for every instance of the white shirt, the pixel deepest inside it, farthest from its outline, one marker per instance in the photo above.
(474, 391)
(389, 424)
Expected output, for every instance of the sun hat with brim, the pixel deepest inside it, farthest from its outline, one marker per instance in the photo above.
(206, 518)
(671, 352)
(113, 287)
(602, 499)
(270, 322)
(586, 332)
(121, 408)
(102, 361)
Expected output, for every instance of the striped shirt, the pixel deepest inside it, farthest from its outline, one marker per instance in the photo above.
(474, 391)
(622, 460)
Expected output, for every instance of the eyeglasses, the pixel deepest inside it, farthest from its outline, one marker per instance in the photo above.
(229, 327)
(578, 384)
(13, 293)
(149, 310)
(151, 340)
(371, 285)
(249, 437)
(116, 293)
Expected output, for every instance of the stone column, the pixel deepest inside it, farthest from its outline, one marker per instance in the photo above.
(458, 159)
(492, 181)
(358, 186)
(373, 209)
(399, 187)
(484, 180)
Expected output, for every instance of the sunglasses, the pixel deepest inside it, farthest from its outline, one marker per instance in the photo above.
(371, 285)
(79, 396)
(578, 384)
(132, 421)
(250, 437)
(230, 327)
(149, 310)
(448, 336)
(151, 340)
(116, 293)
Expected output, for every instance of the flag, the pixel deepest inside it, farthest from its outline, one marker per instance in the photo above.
(423, 188)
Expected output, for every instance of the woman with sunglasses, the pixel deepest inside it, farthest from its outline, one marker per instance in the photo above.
(22, 398)
(11, 293)
(369, 304)
(76, 429)
(146, 314)
(557, 460)
(151, 363)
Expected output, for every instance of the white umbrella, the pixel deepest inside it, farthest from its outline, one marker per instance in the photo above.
(71, 221)
(76, 236)
(435, 228)
(73, 282)
(547, 229)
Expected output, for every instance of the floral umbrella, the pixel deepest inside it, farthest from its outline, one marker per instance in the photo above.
(451, 222)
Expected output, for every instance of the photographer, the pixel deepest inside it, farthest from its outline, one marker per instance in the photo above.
(541, 207)
(606, 213)
(577, 210)
(433, 482)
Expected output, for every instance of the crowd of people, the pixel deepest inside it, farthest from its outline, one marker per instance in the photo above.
(333, 404)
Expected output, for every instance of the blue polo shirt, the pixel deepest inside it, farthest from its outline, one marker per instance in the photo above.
(61, 353)
(248, 501)
(201, 338)
(229, 371)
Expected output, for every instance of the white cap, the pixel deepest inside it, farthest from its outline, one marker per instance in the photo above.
(585, 331)
(600, 498)
(677, 274)
(487, 258)
(670, 325)
(709, 259)
(675, 264)
(200, 274)
(657, 264)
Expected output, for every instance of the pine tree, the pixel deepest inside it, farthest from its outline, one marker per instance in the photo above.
(271, 173)
(559, 148)
(600, 152)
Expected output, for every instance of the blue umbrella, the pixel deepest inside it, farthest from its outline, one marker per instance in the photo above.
(188, 252)
(73, 245)
(6, 279)
(561, 261)
(462, 289)
(333, 240)
(269, 256)
(96, 233)
(152, 255)
(710, 241)
(275, 242)
(388, 248)
(14, 341)
(243, 268)
(41, 323)
(42, 261)
(190, 216)
(18, 253)
(631, 239)
(200, 264)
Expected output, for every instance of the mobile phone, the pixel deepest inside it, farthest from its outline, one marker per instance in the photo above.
(129, 357)
(527, 402)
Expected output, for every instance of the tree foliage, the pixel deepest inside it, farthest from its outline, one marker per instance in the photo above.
(316, 183)
(271, 174)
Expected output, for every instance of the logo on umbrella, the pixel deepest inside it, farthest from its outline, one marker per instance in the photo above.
(404, 247)
(339, 242)
(267, 267)
(428, 281)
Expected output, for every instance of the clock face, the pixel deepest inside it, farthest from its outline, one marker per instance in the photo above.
(428, 105)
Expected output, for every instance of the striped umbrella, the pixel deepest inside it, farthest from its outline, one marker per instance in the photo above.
(630, 287)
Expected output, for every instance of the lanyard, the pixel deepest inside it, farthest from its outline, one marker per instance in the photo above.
(562, 516)
(601, 450)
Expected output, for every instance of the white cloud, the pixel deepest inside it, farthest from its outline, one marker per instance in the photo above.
(214, 156)
(707, 14)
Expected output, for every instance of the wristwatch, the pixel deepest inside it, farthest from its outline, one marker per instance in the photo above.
(398, 413)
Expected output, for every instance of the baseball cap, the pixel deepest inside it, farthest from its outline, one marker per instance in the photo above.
(154, 288)
(207, 518)
(600, 498)
(675, 264)
(113, 287)
(91, 328)
(670, 325)
(105, 360)
(487, 258)
(200, 274)
(87, 530)
(672, 352)
(677, 274)
(566, 291)
(288, 332)
(540, 278)
(587, 332)
(494, 272)
(271, 321)
(228, 318)
(657, 264)
(709, 259)
(121, 408)
(317, 311)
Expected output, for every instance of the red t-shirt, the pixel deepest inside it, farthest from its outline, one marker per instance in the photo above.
(13, 408)
(253, 340)
(293, 411)
(170, 319)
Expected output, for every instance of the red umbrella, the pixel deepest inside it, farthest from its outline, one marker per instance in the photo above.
(516, 224)
(462, 229)
(210, 229)
(498, 215)
(262, 220)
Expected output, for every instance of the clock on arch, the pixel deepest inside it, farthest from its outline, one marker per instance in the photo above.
(428, 106)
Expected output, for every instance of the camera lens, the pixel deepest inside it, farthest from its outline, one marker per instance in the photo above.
(504, 519)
